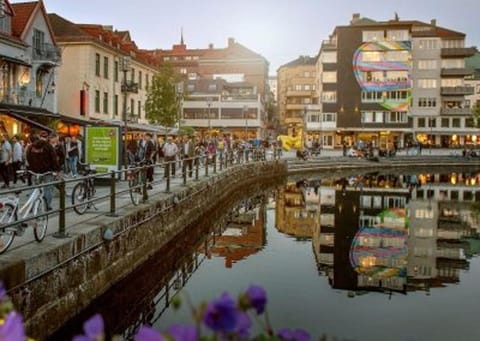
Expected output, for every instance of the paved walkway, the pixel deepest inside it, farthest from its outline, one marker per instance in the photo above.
(73, 220)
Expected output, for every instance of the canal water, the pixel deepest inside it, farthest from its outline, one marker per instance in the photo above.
(354, 257)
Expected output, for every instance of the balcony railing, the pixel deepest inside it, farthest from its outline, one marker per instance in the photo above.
(462, 72)
(450, 52)
(455, 111)
(21, 97)
(130, 86)
(457, 90)
(47, 52)
(329, 44)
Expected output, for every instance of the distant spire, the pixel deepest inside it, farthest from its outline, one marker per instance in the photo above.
(397, 18)
(181, 36)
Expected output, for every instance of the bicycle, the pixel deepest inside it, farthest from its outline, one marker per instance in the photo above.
(136, 177)
(84, 191)
(35, 208)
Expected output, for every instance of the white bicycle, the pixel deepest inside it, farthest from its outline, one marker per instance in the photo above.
(35, 208)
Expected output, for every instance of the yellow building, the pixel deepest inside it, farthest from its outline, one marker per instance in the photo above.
(296, 94)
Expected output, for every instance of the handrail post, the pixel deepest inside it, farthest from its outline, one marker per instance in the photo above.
(221, 160)
(112, 194)
(167, 171)
(61, 233)
(184, 170)
(214, 163)
(206, 166)
(144, 185)
(197, 166)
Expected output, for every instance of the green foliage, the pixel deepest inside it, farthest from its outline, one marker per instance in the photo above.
(186, 130)
(476, 115)
(163, 102)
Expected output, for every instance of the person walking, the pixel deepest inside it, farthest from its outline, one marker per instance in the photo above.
(149, 157)
(6, 155)
(17, 158)
(41, 158)
(188, 155)
(59, 149)
(170, 151)
(73, 152)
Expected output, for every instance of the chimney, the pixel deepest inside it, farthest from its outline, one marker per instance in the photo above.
(210, 46)
(355, 18)
(433, 22)
(231, 42)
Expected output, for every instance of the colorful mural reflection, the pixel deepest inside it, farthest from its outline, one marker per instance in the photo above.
(385, 67)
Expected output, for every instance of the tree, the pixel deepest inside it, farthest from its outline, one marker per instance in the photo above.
(476, 115)
(163, 101)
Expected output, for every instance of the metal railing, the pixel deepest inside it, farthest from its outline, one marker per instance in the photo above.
(191, 170)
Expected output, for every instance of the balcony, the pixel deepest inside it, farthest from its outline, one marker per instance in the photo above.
(456, 72)
(130, 86)
(454, 52)
(21, 96)
(300, 93)
(457, 90)
(455, 111)
(329, 45)
(296, 107)
(47, 52)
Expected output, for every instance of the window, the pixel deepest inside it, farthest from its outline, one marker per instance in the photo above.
(329, 117)
(132, 107)
(298, 87)
(97, 64)
(183, 70)
(188, 57)
(307, 87)
(445, 122)
(115, 105)
(456, 43)
(455, 122)
(427, 64)
(105, 102)
(398, 56)
(432, 122)
(329, 97)
(373, 36)
(140, 79)
(139, 109)
(5, 22)
(314, 117)
(306, 74)
(97, 101)
(307, 100)
(423, 214)
(397, 117)
(105, 67)
(329, 57)
(452, 82)
(453, 63)
(372, 56)
(371, 97)
(421, 123)
(115, 71)
(372, 117)
(398, 35)
(147, 81)
(166, 59)
(427, 83)
(427, 102)
(329, 77)
(212, 87)
(133, 75)
(469, 123)
(427, 44)
(38, 42)
(191, 87)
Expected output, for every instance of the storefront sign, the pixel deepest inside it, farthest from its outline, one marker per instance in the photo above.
(103, 148)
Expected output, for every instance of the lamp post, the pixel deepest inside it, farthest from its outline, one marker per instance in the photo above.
(209, 104)
(179, 95)
(125, 67)
(245, 116)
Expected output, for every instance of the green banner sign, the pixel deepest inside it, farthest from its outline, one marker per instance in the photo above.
(103, 148)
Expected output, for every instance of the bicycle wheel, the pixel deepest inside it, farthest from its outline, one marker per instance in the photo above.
(135, 190)
(80, 198)
(6, 234)
(40, 223)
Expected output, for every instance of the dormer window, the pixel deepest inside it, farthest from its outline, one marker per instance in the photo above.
(5, 18)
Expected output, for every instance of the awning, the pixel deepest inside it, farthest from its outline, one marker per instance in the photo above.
(14, 60)
(24, 119)
(74, 120)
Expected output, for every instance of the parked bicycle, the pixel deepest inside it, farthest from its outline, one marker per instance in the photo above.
(35, 208)
(84, 191)
(136, 177)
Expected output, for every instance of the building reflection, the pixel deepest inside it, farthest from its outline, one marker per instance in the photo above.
(394, 233)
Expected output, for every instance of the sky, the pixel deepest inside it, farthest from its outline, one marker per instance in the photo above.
(280, 30)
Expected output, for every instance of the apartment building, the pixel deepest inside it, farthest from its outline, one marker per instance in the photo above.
(104, 76)
(241, 72)
(473, 81)
(29, 58)
(296, 95)
(395, 82)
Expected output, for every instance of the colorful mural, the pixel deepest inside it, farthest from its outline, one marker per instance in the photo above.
(385, 67)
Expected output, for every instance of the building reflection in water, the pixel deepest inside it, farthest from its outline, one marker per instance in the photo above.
(392, 233)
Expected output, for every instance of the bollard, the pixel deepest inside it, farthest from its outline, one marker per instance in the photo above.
(214, 163)
(61, 215)
(197, 166)
(167, 171)
(144, 185)
(112, 195)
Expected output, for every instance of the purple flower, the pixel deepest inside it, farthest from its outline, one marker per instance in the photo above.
(148, 334)
(244, 323)
(221, 314)
(183, 333)
(12, 329)
(3, 292)
(294, 335)
(93, 329)
(257, 297)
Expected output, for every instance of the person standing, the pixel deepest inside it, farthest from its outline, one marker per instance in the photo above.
(17, 158)
(188, 155)
(59, 151)
(170, 151)
(41, 158)
(5, 160)
(73, 152)
(149, 157)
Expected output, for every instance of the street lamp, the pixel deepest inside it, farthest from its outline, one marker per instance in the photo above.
(245, 112)
(125, 67)
(179, 95)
